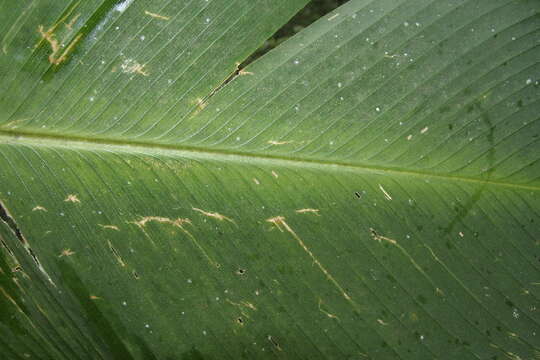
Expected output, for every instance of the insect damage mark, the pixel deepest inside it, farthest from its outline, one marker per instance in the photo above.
(308, 211)
(130, 66)
(72, 198)
(214, 215)
(110, 227)
(178, 223)
(243, 305)
(280, 223)
(238, 71)
(55, 58)
(66, 252)
(16, 27)
(380, 238)
(386, 194)
(6, 217)
(376, 236)
(274, 342)
(11, 300)
(72, 22)
(156, 16)
(116, 254)
(274, 142)
(330, 315)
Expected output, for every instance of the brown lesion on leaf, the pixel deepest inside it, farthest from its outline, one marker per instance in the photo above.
(308, 211)
(214, 215)
(72, 198)
(157, 16)
(94, 297)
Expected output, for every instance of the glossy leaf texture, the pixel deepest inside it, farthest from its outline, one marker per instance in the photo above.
(370, 189)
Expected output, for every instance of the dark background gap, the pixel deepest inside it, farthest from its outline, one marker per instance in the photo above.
(308, 15)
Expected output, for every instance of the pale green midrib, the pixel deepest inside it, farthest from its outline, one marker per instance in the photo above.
(70, 141)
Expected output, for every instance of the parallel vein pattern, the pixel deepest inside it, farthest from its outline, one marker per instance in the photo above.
(368, 190)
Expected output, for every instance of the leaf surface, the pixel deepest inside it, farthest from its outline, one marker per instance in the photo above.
(369, 189)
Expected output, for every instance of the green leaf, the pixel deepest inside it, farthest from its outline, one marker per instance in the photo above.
(368, 189)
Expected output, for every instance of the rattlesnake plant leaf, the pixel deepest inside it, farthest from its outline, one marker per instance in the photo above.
(370, 189)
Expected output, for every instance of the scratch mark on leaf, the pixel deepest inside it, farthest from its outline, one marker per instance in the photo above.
(243, 305)
(215, 215)
(157, 16)
(424, 130)
(382, 322)
(331, 316)
(274, 142)
(280, 223)
(66, 252)
(110, 227)
(256, 181)
(17, 24)
(274, 342)
(116, 254)
(275, 174)
(39, 208)
(7, 218)
(381, 238)
(386, 194)
(333, 17)
(179, 223)
(305, 211)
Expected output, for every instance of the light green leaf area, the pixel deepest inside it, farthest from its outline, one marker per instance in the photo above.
(370, 189)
